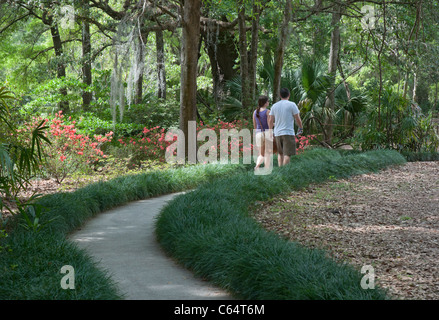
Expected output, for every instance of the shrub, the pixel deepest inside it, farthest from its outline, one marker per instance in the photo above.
(420, 156)
(399, 125)
(88, 123)
(20, 152)
(69, 151)
(149, 144)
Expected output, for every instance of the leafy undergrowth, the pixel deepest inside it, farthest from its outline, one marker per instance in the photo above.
(210, 232)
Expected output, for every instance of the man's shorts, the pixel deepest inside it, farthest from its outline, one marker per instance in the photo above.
(286, 145)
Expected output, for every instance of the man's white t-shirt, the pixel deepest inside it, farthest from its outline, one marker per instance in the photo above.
(283, 112)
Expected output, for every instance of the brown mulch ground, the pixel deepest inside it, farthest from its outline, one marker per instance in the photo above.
(42, 187)
(389, 220)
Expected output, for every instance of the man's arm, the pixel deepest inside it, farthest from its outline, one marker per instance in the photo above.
(299, 123)
(270, 121)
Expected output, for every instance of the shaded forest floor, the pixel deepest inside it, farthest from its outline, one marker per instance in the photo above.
(389, 220)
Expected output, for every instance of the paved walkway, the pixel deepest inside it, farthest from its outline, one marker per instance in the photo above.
(123, 241)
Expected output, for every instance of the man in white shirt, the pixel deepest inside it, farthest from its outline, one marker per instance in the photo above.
(282, 116)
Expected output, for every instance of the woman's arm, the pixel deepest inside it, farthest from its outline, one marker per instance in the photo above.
(254, 121)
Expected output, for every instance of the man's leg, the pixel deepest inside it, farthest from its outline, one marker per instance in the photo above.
(280, 160)
(280, 157)
(289, 148)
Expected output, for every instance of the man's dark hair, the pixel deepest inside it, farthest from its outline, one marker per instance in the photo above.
(284, 93)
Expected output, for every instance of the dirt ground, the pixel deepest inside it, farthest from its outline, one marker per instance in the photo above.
(389, 220)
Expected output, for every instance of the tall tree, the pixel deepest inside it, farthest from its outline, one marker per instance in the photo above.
(141, 43)
(189, 67)
(221, 49)
(86, 57)
(280, 50)
(244, 61)
(161, 72)
(57, 44)
(254, 50)
(332, 70)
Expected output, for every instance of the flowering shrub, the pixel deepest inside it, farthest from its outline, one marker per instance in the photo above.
(69, 151)
(151, 143)
(302, 142)
(233, 144)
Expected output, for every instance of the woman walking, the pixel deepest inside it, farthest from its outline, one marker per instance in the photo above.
(260, 124)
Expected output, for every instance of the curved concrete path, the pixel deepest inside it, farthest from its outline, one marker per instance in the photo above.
(123, 241)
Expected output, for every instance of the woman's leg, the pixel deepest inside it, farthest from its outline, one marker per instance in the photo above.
(260, 144)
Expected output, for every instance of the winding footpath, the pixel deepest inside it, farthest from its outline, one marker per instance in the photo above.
(122, 241)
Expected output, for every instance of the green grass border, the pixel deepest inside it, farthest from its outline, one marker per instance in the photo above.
(31, 263)
(210, 232)
(420, 156)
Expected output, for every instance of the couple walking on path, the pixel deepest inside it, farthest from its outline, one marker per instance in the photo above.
(281, 117)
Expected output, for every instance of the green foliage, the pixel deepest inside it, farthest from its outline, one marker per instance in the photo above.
(397, 125)
(420, 156)
(154, 112)
(20, 155)
(47, 96)
(90, 124)
(31, 270)
(231, 104)
(31, 213)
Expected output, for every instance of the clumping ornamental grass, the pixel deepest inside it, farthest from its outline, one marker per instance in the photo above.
(30, 262)
(210, 232)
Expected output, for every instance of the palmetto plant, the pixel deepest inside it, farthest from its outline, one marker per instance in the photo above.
(231, 103)
(399, 125)
(309, 85)
(19, 160)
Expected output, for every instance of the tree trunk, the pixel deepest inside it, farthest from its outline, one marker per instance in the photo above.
(61, 69)
(143, 39)
(161, 72)
(47, 19)
(254, 52)
(406, 80)
(243, 52)
(435, 97)
(280, 50)
(189, 64)
(332, 70)
(86, 64)
(222, 56)
(415, 85)
(380, 68)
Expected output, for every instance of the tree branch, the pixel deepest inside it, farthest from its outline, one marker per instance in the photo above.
(14, 21)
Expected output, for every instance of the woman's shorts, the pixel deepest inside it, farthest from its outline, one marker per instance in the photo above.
(261, 139)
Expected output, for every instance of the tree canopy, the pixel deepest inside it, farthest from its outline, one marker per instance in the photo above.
(343, 57)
